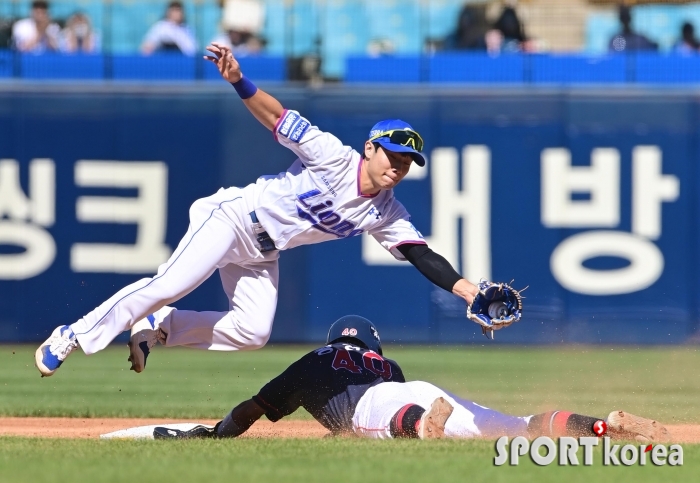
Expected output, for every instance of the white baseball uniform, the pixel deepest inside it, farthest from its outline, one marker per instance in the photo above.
(317, 199)
(380, 403)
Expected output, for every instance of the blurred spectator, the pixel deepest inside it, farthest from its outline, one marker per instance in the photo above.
(687, 43)
(472, 27)
(241, 43)
(242, 22)
(380, 46)
(170, 34)
(36, 34)
(5, 33)
(629, 40)
(78, 36)
(475, 33)
(512, 32)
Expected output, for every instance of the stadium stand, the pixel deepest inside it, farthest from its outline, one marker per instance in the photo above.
(372, 41)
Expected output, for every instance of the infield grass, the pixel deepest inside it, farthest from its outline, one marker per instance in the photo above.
(663, 383)
(24, 460)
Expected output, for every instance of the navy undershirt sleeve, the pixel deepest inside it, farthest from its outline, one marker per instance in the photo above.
(283, 395)
(433, 266)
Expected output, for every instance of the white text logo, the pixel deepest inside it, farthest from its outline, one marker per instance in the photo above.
(544, 451)
(600, 184)
(24, 218)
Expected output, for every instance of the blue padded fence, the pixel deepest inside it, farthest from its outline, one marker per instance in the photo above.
(171, 67)
(464, 68)
(647, 68)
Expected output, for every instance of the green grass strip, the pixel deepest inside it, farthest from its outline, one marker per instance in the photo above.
(303, 461)
(179, 383)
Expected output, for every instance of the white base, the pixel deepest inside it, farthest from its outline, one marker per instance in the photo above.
(146, 432)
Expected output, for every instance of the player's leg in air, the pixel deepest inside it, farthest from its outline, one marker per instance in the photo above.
(252, 295)
(220, 236)
(408, 410)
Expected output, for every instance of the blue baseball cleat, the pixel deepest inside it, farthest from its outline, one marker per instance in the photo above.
(51, 354)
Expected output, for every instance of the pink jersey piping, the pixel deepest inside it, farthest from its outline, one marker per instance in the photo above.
(406, 242)
(277, 124)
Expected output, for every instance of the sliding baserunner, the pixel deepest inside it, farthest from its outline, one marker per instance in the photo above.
(351, 388)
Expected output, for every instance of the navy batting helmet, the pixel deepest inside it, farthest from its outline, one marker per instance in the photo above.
(358, 328)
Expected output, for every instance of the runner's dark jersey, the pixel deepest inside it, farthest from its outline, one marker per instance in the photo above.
(328, 383)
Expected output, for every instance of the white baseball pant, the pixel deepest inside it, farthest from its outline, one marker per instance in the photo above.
(220, 236)
(380, 403)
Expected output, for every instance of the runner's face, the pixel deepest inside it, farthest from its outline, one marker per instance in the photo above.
(386, 169)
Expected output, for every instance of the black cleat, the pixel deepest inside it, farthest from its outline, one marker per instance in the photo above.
(198, 432)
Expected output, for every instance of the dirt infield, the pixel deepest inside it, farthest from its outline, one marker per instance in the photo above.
(92, 428)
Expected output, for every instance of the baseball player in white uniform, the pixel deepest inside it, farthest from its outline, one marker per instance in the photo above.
(330, 192)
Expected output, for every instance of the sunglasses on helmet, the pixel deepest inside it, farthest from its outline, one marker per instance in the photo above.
(402, 137)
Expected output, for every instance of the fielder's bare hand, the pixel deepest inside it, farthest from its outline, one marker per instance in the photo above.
(225, 61)
(264, 107)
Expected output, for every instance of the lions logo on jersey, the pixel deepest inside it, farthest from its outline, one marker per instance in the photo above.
(322, 217)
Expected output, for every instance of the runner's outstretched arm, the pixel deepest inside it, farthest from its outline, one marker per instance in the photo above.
(239, 420)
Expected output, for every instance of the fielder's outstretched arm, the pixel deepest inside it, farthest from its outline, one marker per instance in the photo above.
(438, 270)
(262, 105)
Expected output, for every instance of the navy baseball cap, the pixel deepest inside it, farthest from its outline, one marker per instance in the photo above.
(399, 137)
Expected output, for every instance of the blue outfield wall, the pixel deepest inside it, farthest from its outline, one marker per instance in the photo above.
(160, 67)
(444, 67)
(562, 69)
(588, 196)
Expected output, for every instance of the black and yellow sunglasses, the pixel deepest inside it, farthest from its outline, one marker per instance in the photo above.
(402, 137)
